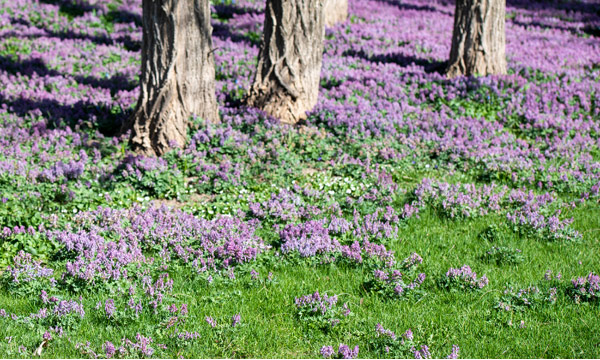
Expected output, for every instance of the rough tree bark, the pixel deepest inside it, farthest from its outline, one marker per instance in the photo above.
(178, 74)
(335, 11)
(286, 83)
(478, 39)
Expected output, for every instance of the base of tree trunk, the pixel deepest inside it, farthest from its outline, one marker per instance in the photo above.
(286, 84)
(335, 11)
(178, 74)
(478, 39)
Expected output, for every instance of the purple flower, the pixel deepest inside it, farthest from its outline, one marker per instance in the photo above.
(109, 349)
(47, 336)
(308, 239)
(391, 281)
(412, 261)
(346, 310)
(143, 345)
(188, 335)
(44, 296)
(235, 320)
(408, 335)
(586, 288)
(58, 330)
(381, 331)
(327, 351)
(345, 352)
(231, 274)
(381, 275)
(423, 353)
(399, 290)
(210, 321)
(109, 308)
(464, 278)
(67, 307)
(136, 307)
(454, 353)
(26, 269)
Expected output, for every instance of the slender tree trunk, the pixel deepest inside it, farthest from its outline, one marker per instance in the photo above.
(478, 39)
(289, 62)
(178, 74)
(335, 11)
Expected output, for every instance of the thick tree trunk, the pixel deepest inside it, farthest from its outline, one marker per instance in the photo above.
(178, 74)
(335, 11)
(289, 62)
(478, 39)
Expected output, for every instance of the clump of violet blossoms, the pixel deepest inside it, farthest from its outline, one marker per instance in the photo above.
(343, 352)
(386, 343)
(586, 288)
(321, 310)
(397, 283)
(522, 299)
(463, 278)
(27, 276)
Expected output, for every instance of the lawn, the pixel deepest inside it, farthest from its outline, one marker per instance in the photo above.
(409, 216)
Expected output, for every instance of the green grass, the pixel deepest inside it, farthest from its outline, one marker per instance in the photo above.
(440, 318)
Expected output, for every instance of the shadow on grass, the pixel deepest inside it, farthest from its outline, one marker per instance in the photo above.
(425, 8)
(73, 9)
(37, 66)
(399, 59)
(590, 8)
(82, 113)
(126, 41)
(564, 10)
(223, 30)
(224, 12)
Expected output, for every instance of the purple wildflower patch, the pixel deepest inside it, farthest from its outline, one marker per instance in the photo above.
(321, 310)
(463, 278)
(586, 288)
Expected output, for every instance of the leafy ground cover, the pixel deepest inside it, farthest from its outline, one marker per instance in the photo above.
(409, 216)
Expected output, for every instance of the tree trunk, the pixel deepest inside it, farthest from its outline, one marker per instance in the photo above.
(178, 74)
(335, 11)
(289, 62)
(478, 39)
